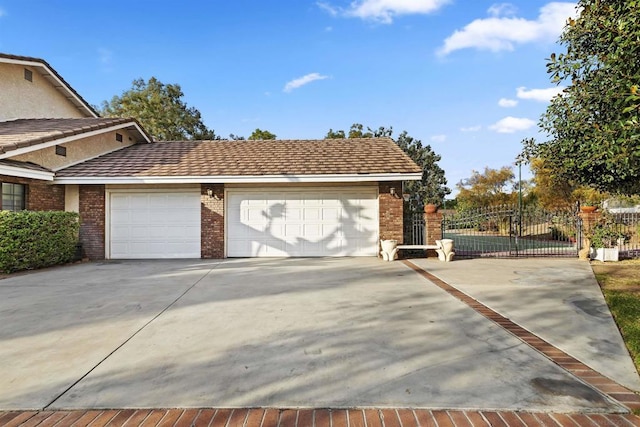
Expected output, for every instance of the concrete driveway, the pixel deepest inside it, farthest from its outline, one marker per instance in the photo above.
(329, 332)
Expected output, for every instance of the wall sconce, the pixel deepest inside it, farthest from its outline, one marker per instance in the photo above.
(392, 191)
(406, 197)
(211, 195)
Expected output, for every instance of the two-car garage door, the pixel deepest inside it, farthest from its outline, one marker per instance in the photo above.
(302, 222)
(276, 222)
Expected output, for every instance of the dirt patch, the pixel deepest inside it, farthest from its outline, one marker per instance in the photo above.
(623, 275)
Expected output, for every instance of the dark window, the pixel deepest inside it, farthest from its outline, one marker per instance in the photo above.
(119, 137)
(61, 151)
(28, 75)
(13, 197)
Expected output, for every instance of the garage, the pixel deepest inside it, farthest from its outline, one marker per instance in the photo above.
(305, 222)
(158, 224)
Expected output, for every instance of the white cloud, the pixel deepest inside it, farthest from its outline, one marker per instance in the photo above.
(512, 124)
(507, 103)
(542, 95)
(384, 11)
(331, 10)
(438, 138)
(301, 81)
(498, 33)
(471, 129)
(502, 9)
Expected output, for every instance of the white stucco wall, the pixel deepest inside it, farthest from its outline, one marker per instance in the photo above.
(22, 99)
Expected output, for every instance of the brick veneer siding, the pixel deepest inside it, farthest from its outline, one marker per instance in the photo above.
(391, 210)
(92, 220)
(212, 221)
(41, 195)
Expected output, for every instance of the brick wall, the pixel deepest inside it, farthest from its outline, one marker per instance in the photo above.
(212, 221)
(433, 227)
(41, 195)
(92, 220)
(390, 211)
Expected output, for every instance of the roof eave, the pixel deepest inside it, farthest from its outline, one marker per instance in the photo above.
(26, 173)
(243, 179)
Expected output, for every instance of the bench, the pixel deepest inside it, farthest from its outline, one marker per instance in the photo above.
(443, 247)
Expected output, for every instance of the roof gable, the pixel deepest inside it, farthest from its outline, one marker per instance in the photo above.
(54, 79)
(31, 134)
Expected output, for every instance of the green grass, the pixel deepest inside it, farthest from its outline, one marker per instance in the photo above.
(620, 283)
(625, 307)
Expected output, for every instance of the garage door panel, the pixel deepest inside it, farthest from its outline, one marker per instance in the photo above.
(310, 222)
(154, 225)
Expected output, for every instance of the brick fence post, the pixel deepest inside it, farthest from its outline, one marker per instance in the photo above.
(589, 220)
(432, 229)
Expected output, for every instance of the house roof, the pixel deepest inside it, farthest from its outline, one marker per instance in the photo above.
(234, 161)
(24, 133)
(54, 78)
(25, 170)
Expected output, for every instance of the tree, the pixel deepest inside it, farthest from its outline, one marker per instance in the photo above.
(493, 187)
(261, 134)
(160, 110)
(594, 124)
(432, 188)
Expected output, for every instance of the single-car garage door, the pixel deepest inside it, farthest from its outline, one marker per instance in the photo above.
(302, 222)
(154, 225)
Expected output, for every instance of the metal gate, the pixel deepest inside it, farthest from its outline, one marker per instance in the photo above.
(508, 231)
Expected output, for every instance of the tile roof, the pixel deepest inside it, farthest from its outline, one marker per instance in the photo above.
(249, 158)
(52, 75)
(23, 133)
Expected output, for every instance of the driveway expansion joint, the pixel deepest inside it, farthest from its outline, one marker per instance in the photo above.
(605, 385)
(164, 310)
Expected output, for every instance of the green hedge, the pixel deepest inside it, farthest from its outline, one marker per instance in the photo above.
(30, 239)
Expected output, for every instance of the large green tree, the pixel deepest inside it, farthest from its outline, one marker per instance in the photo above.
(492, 187)
(594, 124)
(261, 134)
(161, 111)
(432, 188)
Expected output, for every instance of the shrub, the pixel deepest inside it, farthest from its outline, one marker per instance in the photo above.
(30, 240)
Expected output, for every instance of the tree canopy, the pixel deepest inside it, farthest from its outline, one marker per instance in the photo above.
(492, 187)
(160, 110)
(261, 134)
(432, 188)
(594, 125)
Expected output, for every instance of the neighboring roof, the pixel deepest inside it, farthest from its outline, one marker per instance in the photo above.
(23, 133)
(231, 161)
(54, 78)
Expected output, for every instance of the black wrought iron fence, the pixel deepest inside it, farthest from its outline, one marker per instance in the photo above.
(506, 231)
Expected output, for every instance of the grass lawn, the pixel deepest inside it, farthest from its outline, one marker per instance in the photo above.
(620, 283)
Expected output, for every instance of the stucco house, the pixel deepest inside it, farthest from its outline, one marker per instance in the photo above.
(139, 198)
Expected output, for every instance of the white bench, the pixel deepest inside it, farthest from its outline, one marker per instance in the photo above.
(443, 247)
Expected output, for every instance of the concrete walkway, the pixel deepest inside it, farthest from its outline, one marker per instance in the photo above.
(314, 333)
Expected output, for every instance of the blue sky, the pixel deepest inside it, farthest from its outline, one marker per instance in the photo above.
(467, 77)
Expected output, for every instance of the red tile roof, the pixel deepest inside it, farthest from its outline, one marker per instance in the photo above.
(23, 133)
(249, 158)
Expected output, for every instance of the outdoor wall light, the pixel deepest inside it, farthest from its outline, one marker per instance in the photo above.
(211, 195)
(392, 191)
(406, 197)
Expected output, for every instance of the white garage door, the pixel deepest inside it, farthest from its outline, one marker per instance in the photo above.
(305, 222)
(155, 225)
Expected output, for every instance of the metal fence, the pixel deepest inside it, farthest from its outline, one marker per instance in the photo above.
(629, 225)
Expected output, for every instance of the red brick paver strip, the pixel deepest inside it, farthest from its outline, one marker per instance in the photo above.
(275, 417)
(606, 385)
